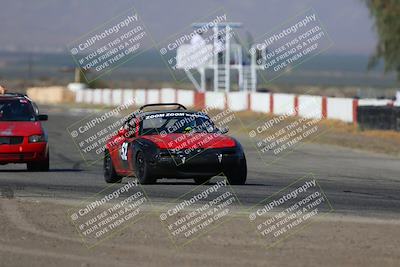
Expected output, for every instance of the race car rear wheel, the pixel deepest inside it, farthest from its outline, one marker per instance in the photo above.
(142, 170)
(238, 174)
(110, 174)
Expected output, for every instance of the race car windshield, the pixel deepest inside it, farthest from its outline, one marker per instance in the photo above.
(166, 123)
(16, 110)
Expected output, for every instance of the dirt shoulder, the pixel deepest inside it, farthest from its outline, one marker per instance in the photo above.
(38, 233)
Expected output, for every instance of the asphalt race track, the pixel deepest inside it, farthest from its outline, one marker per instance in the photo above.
(355, 182)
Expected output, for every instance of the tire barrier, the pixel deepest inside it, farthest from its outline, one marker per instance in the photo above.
(379, 117)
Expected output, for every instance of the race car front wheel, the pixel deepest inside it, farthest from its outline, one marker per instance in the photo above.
(108, 168)
(142, 170)
(40, 166)
(238, 174)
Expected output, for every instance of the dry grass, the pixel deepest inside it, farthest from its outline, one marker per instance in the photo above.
(387, 142)
(344, 134)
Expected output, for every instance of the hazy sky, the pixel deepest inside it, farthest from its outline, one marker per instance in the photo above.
(51, 24)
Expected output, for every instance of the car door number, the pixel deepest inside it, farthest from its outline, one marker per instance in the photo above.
(124, 151)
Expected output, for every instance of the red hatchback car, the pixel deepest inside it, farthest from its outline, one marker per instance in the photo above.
(22, 136)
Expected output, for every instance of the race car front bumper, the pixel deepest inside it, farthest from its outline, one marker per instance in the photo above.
(194, 163)
(23, 153)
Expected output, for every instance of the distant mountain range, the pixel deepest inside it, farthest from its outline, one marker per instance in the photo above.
(324, 69)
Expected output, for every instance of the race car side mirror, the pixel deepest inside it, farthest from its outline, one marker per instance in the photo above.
(43, 117)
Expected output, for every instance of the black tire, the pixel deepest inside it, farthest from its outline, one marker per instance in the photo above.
(238, 174)
(201, 180)
(110, 175)
(142, 171)
(39, 166)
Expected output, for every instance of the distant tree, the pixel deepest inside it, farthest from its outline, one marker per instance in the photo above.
(386, 14)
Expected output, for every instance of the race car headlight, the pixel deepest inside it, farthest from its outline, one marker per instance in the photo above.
(37, 138)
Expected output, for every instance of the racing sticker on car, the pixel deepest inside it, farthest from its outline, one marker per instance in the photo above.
(124, 151)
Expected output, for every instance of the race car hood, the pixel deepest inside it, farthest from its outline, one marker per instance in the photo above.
(197, 140)
(20, 128)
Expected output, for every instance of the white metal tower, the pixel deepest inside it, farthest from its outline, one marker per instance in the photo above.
(223, 56)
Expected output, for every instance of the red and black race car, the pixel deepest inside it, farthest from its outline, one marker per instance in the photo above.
(175, 143)
(22, 136)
